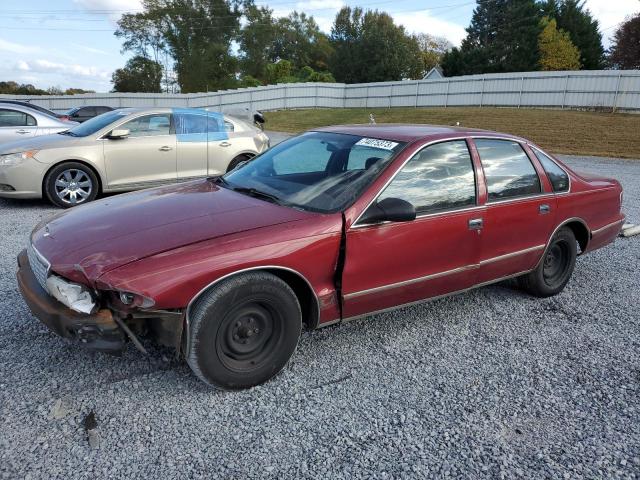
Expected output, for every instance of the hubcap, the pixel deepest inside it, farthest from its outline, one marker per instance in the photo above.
(73, 186)
(248, 336)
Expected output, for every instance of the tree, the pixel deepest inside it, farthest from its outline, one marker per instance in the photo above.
(625, 51)
(196, 33)
(583, 29)
(557, 52)
(139, 74)
(299, 40)
(256, 40)
(14, 88)
(370, 47)
(502, 37)
(432, 50)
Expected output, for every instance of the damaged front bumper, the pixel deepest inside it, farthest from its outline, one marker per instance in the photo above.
(98, 331)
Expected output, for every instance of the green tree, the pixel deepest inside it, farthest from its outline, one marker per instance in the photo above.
(582, 28)
(299, 40)
(197, 34)
(625, 51)
(502, 37)
(256, 40)
(139, 74)
(370, 47)
(557, 52)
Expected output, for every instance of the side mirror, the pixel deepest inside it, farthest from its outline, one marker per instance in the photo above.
(118, 133)
(389, 210)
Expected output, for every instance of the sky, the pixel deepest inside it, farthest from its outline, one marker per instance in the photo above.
(70, 43)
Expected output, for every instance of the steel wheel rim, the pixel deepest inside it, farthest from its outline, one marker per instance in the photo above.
(249, 335)
(73, 186)
(556, 263)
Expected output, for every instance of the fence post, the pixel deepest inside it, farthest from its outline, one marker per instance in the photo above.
(315, 98)
(615, 99)
(366, 98)
(521, 87)
(564, 95)
(446, 95)
(417, 90)
(250, 101)
(286, 97)
(482, 93)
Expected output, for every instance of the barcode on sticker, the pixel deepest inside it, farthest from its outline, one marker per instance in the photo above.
(377, 143)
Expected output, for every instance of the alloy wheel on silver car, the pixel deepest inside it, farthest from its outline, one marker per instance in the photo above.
(73, 186)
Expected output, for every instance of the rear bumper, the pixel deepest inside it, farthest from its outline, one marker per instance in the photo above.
(97, 331)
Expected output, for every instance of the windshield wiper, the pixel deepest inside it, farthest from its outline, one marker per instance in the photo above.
(252, 192)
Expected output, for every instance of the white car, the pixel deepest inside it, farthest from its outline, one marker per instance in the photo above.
(126, 149)
(18, 122)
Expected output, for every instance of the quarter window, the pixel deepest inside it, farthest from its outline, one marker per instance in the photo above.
(148, 125)
(558, 177)
(508, 170)
(439, 177)
(14, 118)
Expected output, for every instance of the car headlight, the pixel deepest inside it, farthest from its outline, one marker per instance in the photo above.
(75, 296)
(16, 158)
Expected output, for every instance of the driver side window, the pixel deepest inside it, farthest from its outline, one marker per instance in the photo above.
(439, 177)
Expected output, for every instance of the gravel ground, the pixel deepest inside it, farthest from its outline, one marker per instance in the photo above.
(490, 383)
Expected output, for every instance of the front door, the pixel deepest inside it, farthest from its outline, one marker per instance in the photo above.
(519, 216)
(390, 264)
(145, 158)
(16, 125)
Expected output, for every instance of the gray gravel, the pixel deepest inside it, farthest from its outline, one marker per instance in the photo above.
(491, 383)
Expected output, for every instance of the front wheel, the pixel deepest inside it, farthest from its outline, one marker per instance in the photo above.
(243, 331)
(70, 184)
(555, 269)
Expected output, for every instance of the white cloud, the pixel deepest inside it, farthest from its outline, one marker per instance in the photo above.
(90, 49)
(45, 66)
(111, 8)
(11, 47)
(423, 22)
(610, 13)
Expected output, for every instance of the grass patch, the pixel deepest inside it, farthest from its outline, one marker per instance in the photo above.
(559, 131)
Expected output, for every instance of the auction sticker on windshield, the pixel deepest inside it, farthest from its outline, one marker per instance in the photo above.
(377, 143)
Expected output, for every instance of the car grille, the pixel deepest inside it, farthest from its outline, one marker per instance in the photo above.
(39, 265)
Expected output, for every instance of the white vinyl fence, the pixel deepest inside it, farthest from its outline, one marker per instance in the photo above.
(601, 89)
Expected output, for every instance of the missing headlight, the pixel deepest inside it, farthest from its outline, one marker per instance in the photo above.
(73, 295)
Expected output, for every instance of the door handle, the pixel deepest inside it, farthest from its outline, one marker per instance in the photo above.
(476, 224)
(166, 148)
(225, 144)
(544, 209)
(22, 131)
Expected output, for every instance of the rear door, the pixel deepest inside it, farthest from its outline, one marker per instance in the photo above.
(519, 216)
(221, 149)
(15, 125)
(191, 138)
(147, 157)
(390, 264)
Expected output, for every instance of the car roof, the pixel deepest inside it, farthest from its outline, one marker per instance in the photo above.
(410, 132)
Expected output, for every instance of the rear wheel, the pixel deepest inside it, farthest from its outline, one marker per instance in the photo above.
(70, 184)
(556, 268)
(243, 331)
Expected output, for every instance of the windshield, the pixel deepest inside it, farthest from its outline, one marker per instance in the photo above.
(317, 171)
(96, 123)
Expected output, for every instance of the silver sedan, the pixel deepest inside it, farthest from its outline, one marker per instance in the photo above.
(18, 122)
(126, 149)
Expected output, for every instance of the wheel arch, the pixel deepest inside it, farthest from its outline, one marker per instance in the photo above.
(579, 228)
(70, 160)
(309, 302)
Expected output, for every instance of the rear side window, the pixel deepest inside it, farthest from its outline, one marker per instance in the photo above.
(439, 177)
(14, 118)
(148, 125)
(558, 177)
(508, 170)
(188, 123)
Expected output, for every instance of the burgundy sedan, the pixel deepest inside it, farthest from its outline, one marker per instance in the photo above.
(325, 227)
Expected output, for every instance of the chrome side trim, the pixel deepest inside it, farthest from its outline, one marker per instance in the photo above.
(539, 196)
(224, 277)
(425, 300)
(610, 225)
(433, 276)
(424, 215)
(511, 255)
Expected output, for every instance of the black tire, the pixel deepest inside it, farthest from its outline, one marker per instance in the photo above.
(243, 331)
(240, 158)
(555, 268)
(86, 185)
